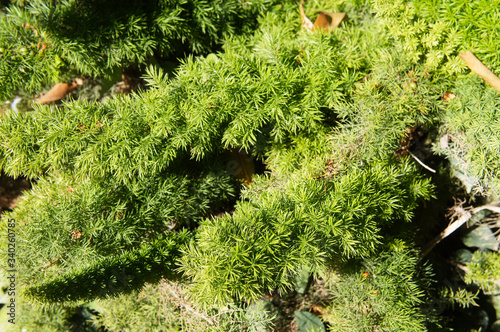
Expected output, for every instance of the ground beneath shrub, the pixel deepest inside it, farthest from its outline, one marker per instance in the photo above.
(10, 191)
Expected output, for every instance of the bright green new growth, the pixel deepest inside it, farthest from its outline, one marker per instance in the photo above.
(433, 32)
(304, 222)
(475, 24)
(471, 136)
(42, 41)
(484, 271)
(327, 112)
(434, 44)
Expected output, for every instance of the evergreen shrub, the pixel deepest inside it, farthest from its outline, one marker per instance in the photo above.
(135, 211)
(41, 42)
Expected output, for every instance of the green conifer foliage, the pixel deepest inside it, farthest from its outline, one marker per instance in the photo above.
(119, 182)
(113, 275)
(23, 63)
(471, 135)
(433, 32)
(267, 240)
(45, 318)
(383, 294)
(163, 307)
(432, 43)
(65, 225)
(484, 271)
(476, 22)
(43, 40)
(277, 85)
(396, 97)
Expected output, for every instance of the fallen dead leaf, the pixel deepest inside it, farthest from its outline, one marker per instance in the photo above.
(325, 20)
(58, 91)
(328, 20)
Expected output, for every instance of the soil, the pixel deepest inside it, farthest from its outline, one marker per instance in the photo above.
(10, 191)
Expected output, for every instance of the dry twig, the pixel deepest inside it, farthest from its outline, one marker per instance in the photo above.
(421, 163)
(479, 68)
(463, 216)
(175, 292)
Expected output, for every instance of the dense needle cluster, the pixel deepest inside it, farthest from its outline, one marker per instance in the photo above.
(137, 202)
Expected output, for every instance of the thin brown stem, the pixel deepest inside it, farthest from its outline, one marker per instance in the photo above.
(479, 68)
(463, 217)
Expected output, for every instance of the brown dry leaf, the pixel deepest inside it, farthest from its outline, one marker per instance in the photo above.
(448, 96)
(325, 20)
(306, 22)
(328, 21)
(76, 235)
(58, 91)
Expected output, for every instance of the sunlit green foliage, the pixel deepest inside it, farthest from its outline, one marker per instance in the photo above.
(138, 189)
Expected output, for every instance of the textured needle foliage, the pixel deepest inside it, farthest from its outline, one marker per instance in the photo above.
(382, 294)
(285, 226)
(471, 135)
(247, 97)
(41, 41)
(64, 224)
(48, 318)
(435, 44)
(433, 32)
(133, 200)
